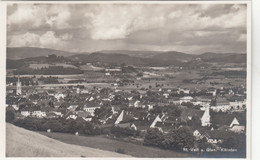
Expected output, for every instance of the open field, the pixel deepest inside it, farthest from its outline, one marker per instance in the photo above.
(24, 143)
(46, 65)
(103, 143)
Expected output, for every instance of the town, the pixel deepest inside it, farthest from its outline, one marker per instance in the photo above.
(195, 104)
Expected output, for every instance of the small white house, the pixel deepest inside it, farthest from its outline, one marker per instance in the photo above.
(25, 113)
(186, 99)
(91, 110)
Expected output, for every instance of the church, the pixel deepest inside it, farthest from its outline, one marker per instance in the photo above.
(205, 119)
(18, 86)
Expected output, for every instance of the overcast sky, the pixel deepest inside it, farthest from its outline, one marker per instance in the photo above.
(189, 28)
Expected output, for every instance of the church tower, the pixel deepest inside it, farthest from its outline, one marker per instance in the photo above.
(18, 86)
(205, 119)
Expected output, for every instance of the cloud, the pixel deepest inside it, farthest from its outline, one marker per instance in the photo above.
(66, 36)
(92, 27)
(27, 39)
(28, 16)
(118, 21)
(202, 17)
(46, 40)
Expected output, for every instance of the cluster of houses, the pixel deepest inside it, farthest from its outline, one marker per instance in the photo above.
(216, 116)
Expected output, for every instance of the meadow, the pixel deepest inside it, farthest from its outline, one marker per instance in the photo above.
(25, 143)
(108, 144)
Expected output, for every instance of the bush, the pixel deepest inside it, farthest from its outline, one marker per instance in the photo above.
(154, 137)
(176, 139)
(10, 115)
(120, 132)
(120, 150)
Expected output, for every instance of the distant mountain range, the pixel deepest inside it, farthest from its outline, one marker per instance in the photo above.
(127, 57)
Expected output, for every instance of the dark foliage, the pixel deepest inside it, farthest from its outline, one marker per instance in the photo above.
(10, 115)
(60, 125)
(176, 140)
(122, 132)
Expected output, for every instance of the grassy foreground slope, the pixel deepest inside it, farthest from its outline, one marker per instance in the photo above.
(25, 143)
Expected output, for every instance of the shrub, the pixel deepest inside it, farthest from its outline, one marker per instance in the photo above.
(119, 132)
(154, 137)
(10, 115)
(120, 150)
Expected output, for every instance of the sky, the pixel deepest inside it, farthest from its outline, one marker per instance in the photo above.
(189, 28)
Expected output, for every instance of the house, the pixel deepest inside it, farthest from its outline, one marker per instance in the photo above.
(51, 92)
(236, 127)
(133, 126)
(137, 104)
(58, 96)
(234, 122)
(201, 101)
(51, 115)
(150, 107)
(127, 125)
(197, 134)
(201, 133)
(26, 111)
(217, 136)
(57, 104)
(157, 119)
(107, 118)
(166, 95)
(73, 107)
(185, 91)
(83, 114)
(15, 107)
(175, 101)
(90, 109)
(222, 108)
(38, 113)
(185, 99)
(113, 70)
(34, 111)
(113, 110)
(124, 116)
(120, 117)
(71, 115)
(238, 105)
(189, 113)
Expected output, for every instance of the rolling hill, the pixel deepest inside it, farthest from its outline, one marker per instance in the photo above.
(137, 53)
(25, 143)
(174, 56)
(26, 52)
(144, 58)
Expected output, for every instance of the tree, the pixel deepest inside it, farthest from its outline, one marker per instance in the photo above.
(235, 142)
(153, 137)
(179, 139)
(98, 111)
(54, 125)
(51, 104)
(203, 144)
(10, 115)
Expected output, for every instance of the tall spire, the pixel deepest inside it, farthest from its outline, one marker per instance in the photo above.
(205, 119)
(18, 86)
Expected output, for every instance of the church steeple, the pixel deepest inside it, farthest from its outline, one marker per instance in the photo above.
(19, 86)
(205, 119)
